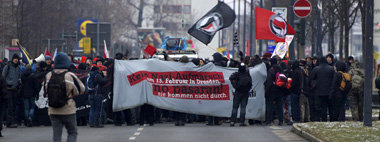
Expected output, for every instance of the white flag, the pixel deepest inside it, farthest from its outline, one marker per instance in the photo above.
(106, 55)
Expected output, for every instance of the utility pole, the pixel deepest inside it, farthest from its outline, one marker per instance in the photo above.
(238, 23)
(233, 34)
(244, 28)
(291, 22)
(369, 63)
(252, 39)
(319, 29)
(261, 41)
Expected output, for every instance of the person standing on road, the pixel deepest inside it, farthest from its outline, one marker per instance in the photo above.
(62, 108)
(29, 92)
(296, 75)
(3, 92)
(356, 93)
(12, 75)
(321, 78)
(242, 83)
(340, 87)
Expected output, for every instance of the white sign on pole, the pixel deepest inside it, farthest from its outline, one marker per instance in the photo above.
(281, 11)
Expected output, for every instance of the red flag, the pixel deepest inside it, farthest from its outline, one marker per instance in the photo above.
(247, 49)
(150, 50)
(271, 26)
(228, 54)
(47, 53)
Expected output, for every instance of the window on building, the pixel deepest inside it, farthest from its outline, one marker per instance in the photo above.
(172, 8)
(187, 9)
(157, 9)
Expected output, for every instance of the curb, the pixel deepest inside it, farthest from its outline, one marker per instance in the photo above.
(295, 129)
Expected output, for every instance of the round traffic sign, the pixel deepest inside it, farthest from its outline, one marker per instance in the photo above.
(302, 8)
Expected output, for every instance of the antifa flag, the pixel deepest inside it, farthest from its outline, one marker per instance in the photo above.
(270, 26)
(219, 17)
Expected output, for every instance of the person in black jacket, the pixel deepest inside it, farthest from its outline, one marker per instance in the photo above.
(296, 75)
(321, 81)
(338, 96)
(274, 95)
(96, 96)
(242, 83)
(3, 92)
(29, 91)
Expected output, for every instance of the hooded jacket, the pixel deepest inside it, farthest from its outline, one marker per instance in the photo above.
(12, 75)
(321, 78)
(29, 84)
(218, 60)
(296, 75)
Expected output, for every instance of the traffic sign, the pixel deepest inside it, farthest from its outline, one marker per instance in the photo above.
(302, 8)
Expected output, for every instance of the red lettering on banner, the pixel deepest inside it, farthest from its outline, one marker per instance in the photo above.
(180, 77)
(217, 92)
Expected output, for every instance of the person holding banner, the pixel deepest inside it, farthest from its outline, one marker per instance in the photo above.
(242, 83)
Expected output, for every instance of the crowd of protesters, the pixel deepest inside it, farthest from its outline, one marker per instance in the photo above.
(319, 90)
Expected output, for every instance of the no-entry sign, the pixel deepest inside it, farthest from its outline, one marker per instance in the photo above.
(302, 8)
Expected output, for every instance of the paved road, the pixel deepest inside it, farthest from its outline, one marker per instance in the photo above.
(160, 133)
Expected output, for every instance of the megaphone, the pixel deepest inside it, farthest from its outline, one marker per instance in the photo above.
(40, 58)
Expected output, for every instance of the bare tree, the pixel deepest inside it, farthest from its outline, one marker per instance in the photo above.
(346, 14)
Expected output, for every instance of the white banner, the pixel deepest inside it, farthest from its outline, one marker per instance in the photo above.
(184, 87)
(282, 47)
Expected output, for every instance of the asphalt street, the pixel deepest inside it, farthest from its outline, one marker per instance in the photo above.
(166, 132)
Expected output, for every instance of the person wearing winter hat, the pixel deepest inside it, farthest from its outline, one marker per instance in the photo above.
(330, 59)
(65, 115)
(242, 83)
(12, 75)
(49, 63)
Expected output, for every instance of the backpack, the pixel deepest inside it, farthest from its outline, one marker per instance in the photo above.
(91, 85)
(56, 90)
(346, 84)
(283, 81)
(243, 81)
(357, 81)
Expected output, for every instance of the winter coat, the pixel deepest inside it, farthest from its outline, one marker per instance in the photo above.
(321, 79)
(271, 90)
(12, 75)
(30, 85)
(73, 88)
(3, 88)
(101, 81)
(335, 91)
(296, 75)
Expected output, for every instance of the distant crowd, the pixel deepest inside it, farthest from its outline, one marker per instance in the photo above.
(311, 89)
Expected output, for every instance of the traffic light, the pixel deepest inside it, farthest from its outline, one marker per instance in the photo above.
(300, 31)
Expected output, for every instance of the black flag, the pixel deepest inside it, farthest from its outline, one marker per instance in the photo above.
(219, 17)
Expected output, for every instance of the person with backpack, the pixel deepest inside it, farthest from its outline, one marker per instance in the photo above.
(321, 78)
(341, 85)
(242, 83)
(356, 93)
(60, 86)
(12, 75)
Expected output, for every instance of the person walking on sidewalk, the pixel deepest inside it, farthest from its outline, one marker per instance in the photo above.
(60, 86)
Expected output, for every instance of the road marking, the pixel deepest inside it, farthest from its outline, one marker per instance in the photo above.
(275, 128)
(140, 129)
(137, 133)
(132, 138)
